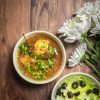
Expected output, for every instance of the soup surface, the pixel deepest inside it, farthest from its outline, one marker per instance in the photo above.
(39, 57)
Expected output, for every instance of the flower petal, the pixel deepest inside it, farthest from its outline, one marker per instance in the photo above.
(77, 55)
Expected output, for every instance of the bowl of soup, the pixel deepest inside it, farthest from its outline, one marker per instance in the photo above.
(76, 86)
(39, 57)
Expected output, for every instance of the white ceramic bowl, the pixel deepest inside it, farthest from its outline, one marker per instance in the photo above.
(68, 75)
(59, 44)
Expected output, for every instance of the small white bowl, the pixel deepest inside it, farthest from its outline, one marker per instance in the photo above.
(59, 44)
(68, 75)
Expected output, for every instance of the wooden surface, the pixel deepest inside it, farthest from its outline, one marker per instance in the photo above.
(22, 16)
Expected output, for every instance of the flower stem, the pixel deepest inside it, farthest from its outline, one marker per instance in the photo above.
(89, 44)
(93, 67)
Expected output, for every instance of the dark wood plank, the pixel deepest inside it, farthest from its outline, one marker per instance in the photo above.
(21, 16)
(14, 21)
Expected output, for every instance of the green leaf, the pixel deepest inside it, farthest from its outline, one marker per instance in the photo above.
(95, 57)
(85, 57)
(40, 74)
(52, 50)
(98, 49)
(41, 64)
(50, 62)
(37, 77)
(24, 48)
(42, 45)
(30, 68)
(98, 46)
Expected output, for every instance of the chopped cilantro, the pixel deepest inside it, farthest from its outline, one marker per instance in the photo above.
(52, 50)
(50, 62)
(30, 68)
(42, 45)
(24, 48)
(41, 64)
(37, 77)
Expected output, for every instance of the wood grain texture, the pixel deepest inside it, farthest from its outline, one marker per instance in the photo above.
(21, 16)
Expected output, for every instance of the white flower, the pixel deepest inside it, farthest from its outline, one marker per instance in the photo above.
(77, 55)
(96, 29)
(72, 29)
(90, 8)
(87, 17)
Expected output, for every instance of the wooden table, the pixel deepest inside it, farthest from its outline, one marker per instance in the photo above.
(22, 16)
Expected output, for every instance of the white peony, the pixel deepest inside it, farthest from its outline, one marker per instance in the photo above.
(72, 29)
(86, 18)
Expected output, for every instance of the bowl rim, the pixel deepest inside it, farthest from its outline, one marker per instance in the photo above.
(67, 75)
(16, 64)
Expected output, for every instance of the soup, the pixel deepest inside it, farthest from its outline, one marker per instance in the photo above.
(39, 57)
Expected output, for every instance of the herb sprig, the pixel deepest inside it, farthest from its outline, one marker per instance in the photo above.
(93, 57)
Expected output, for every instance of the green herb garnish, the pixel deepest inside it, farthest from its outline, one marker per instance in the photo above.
(52, 50)
(30, 68)
(42, 45)
(50, 62)
(24, 48)
(41, 64)
(37, 77)
(40, 74)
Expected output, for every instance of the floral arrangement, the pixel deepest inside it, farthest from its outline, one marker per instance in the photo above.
(84, 28)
